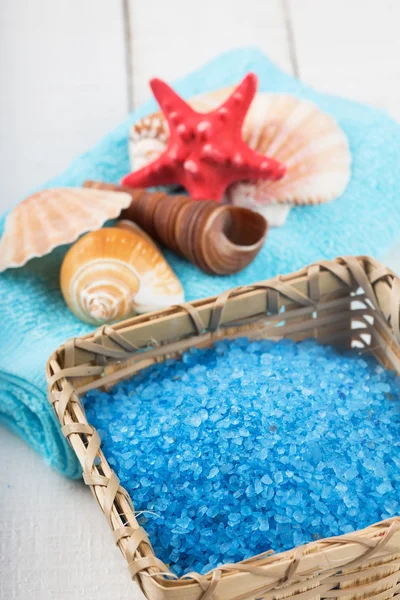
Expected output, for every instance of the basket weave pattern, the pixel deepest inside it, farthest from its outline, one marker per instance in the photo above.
(351, 301)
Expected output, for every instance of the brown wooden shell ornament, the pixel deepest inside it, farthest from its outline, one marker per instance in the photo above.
(219, 239)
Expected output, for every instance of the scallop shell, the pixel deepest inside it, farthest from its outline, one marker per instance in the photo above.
(218, 239)
(296, 132)
(55, 217)
(147, 140)
(111, 274)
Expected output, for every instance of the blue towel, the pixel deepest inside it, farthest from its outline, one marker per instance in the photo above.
(365, 220)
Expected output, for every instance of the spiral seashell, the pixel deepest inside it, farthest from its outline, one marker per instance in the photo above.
(295, 132)
(218, 239)
(111, 274)
(55, 217)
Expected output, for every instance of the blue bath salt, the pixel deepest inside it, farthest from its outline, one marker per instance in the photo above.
(253, 445)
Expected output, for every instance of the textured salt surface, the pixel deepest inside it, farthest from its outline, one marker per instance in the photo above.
(253, 445)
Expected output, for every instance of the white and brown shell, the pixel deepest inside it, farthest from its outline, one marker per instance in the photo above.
(147, 140)
(55, 217)
(296, 132)
(113, 273)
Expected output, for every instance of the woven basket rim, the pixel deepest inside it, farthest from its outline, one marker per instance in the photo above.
(113, 352)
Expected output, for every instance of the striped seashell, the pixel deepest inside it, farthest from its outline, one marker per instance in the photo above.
(218, 239)
(55, 217)
(148, 138)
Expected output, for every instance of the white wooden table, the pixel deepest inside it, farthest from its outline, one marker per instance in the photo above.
(69, 71)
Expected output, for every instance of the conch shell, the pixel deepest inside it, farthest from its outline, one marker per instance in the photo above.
(111, 274)
(55, 217)
(218, 239)
(295, 132)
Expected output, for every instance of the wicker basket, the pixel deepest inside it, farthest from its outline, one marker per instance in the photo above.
(349, 302)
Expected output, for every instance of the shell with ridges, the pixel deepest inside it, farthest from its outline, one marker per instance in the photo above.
(296, 132)
(218, 239)
(147, 140)
(113, 273)
(55, 217)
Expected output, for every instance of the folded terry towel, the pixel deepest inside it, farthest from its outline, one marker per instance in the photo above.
(365, 220)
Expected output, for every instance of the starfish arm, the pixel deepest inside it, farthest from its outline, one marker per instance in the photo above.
(238, 103)
(172, 105)
(255, 165)
(156, 173)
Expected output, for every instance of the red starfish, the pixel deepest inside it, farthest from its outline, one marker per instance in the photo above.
(206, 152)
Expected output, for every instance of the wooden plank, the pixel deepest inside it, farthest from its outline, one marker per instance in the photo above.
(169, 39)
(75, 560)
(63, 85)
(350, 48)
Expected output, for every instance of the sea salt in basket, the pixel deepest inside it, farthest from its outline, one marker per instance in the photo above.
(351, 302)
